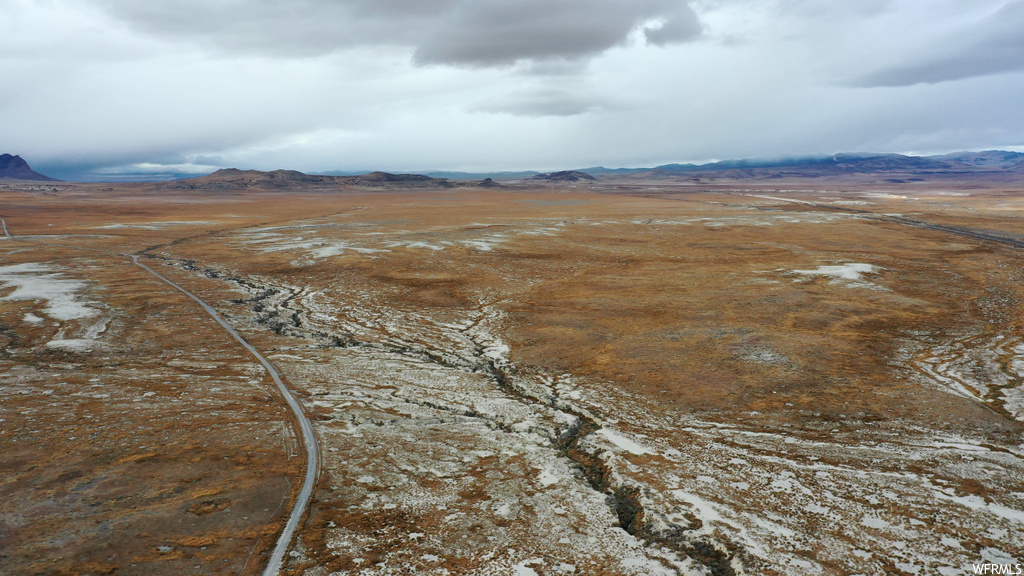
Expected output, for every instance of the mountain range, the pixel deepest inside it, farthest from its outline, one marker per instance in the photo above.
(997, 165)
(992, 162)
(234, 179)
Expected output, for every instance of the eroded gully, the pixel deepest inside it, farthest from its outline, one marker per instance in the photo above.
(275, 308)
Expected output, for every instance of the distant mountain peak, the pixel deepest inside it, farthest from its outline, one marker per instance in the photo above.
(15, 168)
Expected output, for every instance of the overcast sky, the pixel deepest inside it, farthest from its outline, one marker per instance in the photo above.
(99, 88)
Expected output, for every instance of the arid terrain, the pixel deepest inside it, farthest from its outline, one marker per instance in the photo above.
(619, 376)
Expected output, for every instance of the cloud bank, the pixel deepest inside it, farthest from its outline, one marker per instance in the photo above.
(994, 45)
(451, 32)
(95, 89)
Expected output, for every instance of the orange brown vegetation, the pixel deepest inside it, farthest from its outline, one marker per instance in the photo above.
(666, 302)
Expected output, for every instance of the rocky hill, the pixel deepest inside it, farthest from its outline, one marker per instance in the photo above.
(564, 176)
(234, 179)
(15, 168)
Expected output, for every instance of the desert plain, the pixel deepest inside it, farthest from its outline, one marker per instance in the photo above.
(537, 378)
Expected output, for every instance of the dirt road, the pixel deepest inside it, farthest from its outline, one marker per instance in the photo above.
(312, 450)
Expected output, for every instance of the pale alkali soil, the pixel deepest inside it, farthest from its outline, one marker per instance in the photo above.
(618, 379)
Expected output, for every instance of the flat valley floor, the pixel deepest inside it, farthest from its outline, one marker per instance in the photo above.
(602, 379)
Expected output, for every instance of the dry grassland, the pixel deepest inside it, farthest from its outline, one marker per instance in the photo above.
(614, 379)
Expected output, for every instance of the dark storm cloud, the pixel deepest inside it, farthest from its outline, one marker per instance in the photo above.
(468, 33)
(993, 46)
(496, 33)
(99, 164)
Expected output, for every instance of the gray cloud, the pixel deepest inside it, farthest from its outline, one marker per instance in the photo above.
(208, 160)
(993, 46)
(831, 10)
(463, 33)
(99, 87)
(680, 27)
(544, 102)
